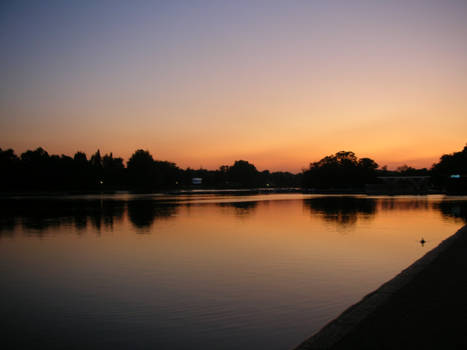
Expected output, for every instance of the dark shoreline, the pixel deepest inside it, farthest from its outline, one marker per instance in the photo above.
(226, 191)
(220, 191)
(422, 307)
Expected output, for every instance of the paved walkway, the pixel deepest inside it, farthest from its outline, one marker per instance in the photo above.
(424, 307)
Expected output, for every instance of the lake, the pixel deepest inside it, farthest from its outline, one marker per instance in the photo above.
(211, 271)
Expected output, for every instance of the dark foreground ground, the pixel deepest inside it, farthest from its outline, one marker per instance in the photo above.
(424, 307)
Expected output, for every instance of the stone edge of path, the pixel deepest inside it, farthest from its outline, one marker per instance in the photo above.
(335, 330)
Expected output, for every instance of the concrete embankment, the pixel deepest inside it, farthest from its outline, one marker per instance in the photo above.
(424, 307)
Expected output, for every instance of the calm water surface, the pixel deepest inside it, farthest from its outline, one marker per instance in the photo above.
(201, 272)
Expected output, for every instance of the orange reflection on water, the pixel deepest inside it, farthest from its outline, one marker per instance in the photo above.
(221, 267)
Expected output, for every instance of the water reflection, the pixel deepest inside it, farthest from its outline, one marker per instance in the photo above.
(37, 215)
(222, 272)
(344, 211)
(450, 208)
(408, 203)
(240, 209)
(143, 213)
(456, 209)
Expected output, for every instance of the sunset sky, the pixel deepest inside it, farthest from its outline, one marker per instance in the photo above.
(203, 83)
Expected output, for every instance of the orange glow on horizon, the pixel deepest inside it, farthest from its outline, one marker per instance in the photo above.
(279, 86)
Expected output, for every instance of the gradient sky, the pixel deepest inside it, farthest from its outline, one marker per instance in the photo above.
(202, 83)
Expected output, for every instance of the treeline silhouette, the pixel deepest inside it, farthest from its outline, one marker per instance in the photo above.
(36, 170)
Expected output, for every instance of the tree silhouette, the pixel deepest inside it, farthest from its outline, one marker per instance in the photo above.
(141, 170)
(451, 172)
(80, 157)
(243, 173)
(96, 159)
(341, 170)
(454, 163)
(113, 171)
(9, 169)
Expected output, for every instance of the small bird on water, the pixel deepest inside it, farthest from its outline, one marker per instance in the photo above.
(422, 241)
